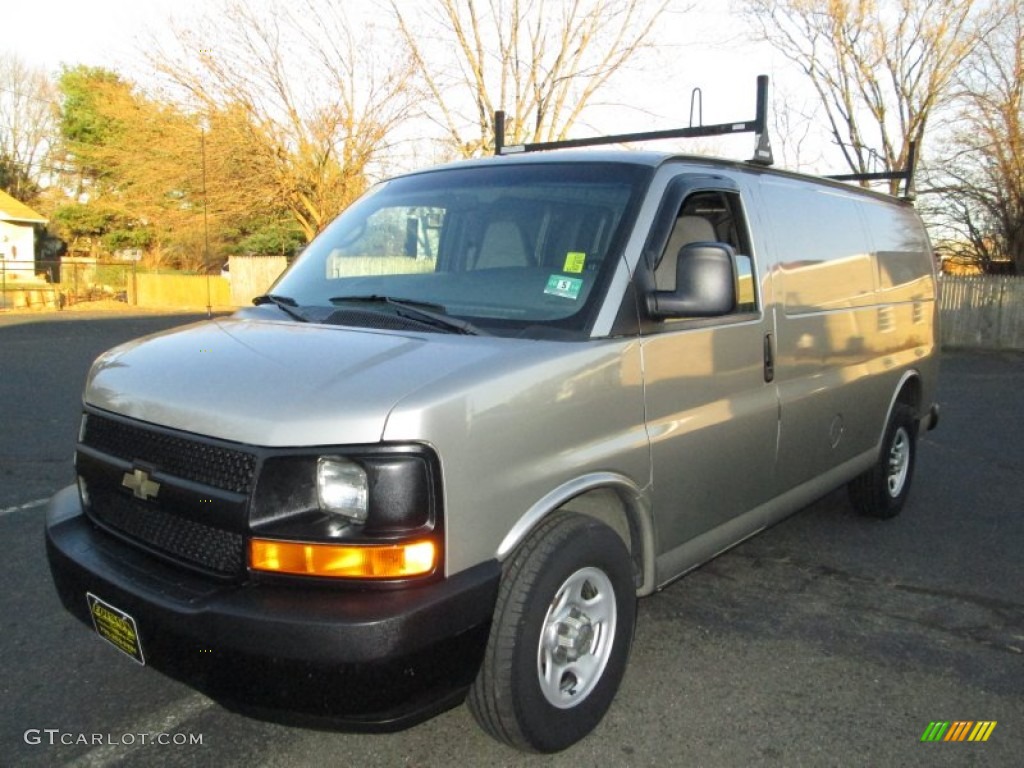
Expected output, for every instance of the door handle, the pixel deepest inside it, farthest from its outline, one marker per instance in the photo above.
(769, 358)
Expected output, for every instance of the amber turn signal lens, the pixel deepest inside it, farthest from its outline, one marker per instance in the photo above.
(344, 561)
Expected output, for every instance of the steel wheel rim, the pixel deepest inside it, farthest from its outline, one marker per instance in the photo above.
(576, 638)
(899, 462)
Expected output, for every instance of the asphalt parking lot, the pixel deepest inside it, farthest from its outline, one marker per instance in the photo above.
(827, 640)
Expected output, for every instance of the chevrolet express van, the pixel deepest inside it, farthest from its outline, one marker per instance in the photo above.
(487, 408)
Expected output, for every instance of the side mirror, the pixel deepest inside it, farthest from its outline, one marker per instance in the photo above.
(705, 283)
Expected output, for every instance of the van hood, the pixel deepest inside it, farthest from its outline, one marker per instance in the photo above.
(276, 384)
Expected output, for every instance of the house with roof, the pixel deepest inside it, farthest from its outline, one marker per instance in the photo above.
(18, 231)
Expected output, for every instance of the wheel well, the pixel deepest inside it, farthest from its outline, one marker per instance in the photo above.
(910, 394)
(608, 506)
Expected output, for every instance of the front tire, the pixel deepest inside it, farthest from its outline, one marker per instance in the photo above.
(883, 489)
(561, 636)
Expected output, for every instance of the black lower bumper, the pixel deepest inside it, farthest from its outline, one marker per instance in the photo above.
(370, 660)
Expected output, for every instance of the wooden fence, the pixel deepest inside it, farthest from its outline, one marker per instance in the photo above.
(180, 291)
(983, 312)
(251, 276)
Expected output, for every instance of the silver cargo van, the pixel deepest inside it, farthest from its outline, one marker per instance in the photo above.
(488, 407)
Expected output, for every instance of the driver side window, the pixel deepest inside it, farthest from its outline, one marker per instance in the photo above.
(715, 217)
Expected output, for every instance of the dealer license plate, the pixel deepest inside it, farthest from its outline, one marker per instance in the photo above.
(116, 627)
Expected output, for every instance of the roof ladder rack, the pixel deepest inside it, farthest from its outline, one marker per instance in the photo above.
(906, 175)
(758, 126)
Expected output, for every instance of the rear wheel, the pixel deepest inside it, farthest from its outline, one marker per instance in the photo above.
(561, 635)
(883, 489)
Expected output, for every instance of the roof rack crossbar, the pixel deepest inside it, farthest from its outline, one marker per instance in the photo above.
(880, 176)
(757, 126)
(906, 175)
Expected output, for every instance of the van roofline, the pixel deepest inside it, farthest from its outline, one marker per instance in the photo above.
(654, 159)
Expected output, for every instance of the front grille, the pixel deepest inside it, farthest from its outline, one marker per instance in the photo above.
(190, 542)
(213, 465)
(199, 516)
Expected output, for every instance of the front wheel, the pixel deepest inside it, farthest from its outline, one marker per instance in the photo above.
(561, 635)
(883, 489)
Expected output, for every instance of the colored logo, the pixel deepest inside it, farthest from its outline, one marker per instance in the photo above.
(958, 730)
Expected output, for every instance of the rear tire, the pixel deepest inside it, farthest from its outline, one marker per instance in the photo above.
(561, 636)
(883, 489)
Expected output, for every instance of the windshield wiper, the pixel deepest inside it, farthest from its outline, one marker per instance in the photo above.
(284, 303)
(422, 311)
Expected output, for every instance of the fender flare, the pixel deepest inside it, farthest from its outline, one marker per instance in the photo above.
(636, 510)
(912, 375)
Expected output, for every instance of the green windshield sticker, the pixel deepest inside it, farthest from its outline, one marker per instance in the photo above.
(574, 262)
(566, 287)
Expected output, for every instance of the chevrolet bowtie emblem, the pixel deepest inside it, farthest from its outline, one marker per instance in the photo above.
(140, 484)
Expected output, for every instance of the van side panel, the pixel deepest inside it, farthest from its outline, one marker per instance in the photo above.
(845, 334)
(825, 263)
(901, 252)
(540, 417)
(713, 424)
(907, 297)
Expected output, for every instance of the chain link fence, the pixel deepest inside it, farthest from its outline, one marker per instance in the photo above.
(64, 283)
(84, 282)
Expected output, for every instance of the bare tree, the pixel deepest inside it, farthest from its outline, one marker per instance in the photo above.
(27, 125)
(542, 62)
(313, 101)
(792, 130)
(881, 68)
(979, 185)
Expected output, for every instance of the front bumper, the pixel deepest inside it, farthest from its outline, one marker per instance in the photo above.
(371, 659)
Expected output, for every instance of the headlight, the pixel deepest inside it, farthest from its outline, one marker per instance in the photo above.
(348, 512)
(342, 489)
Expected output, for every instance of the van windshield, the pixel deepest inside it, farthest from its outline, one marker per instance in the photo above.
(509, 249)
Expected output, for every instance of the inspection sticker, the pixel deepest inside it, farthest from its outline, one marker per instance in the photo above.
(566, 287)
(574, 262)
(116, 627)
